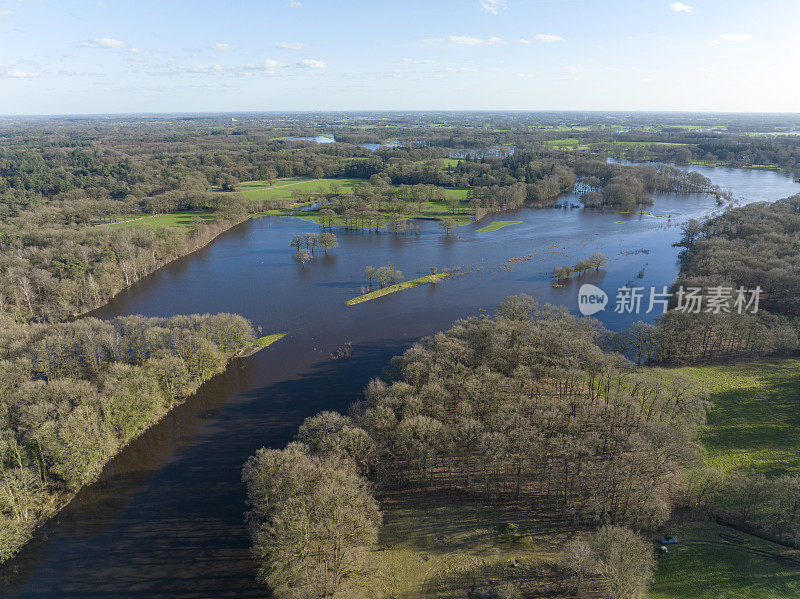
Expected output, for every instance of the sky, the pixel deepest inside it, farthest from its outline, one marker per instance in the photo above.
(144, 56)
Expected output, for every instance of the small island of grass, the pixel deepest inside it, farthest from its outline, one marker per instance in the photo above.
(498, 224)
(261, 343)
(435, 278)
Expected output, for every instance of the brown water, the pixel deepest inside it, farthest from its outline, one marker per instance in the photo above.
(165, 517)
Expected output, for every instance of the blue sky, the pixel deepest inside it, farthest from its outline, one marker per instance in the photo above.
(179, 56)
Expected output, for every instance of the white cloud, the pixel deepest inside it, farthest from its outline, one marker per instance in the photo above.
(459, 70)
(524, 41)
(549, 38)
(525, 75)
(731, 38)
(310, 63)
(630, 69)
(574, 68)
(290, 45)
(198, 69)
(493, 6)
(269, 67)
(223, 47)
(681, 7)
(105, 42)
(797, 36)
(5, 12)
(295, 3)
(467, 40)
(17, 74)
(420, 61)
(140, 51)
(71, 73)
(735, 37)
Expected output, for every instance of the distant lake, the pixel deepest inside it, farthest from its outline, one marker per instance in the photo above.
(387, 144)
(329, 139)
(493, 152)
(320, 139)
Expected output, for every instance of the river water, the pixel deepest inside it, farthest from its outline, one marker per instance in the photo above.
(165, 517)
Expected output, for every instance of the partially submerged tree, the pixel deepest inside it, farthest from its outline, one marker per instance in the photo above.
(562, 273)
(597, 261)
(328, 241)
(447, 225)
(369, 274)
(387, 275)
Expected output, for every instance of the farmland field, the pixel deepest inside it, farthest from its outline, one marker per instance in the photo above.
(283, 188)
(174, 219)
(714, 562)
(436, 548)
(755, 415)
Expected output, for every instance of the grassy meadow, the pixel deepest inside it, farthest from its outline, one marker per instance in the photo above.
(755, 416)
(753, 423)
(715, 562)
(498, 224)
(283, 188)
(437, 548)
(186, 218)
(397, 287)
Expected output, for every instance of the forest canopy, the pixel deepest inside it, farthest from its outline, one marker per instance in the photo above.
(73, 394)
(524, 408)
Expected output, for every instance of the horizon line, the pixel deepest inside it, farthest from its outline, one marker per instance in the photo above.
(400, 111)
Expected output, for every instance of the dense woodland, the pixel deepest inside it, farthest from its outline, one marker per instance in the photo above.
(754, 246)
(72, 394)
(524, 408)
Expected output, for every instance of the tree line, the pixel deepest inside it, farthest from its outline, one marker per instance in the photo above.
(73, 394)
(749, 247)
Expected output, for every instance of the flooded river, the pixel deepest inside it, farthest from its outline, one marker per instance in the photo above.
(165, 517)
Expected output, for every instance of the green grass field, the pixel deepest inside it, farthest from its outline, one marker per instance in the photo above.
(441, 548)
(173, 219)
(450, 162)
(397, 287)
(715, 562)
(260, 344)
(569, 143)
(268, 340)
(283, 188)
(755, 417)
(753, 423)
(498, 224)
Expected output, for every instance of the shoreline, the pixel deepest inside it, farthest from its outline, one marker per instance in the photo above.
(63, 499)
